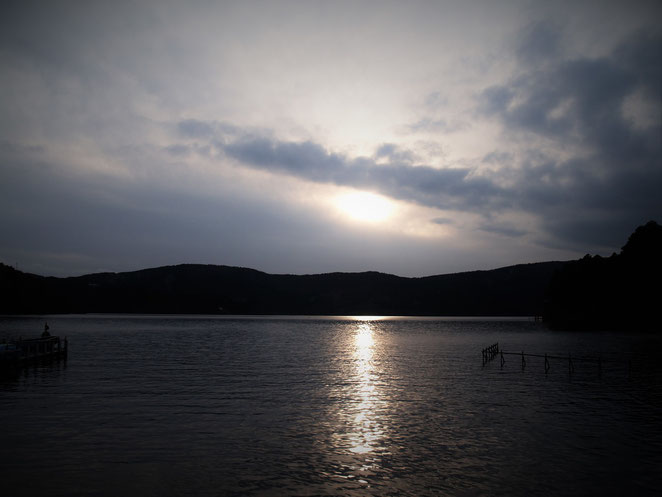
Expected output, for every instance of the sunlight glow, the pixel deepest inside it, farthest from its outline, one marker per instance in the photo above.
(367, 318)
(364, 343)
(367, 427)
(365, 206)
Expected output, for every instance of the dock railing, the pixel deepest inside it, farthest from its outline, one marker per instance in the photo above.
(24, 351)
(36, 348)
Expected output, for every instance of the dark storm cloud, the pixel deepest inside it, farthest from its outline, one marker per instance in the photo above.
(579, 105)
(581, 97)
(451, 188)
(641, 56)
(584, 98)
(394, 153)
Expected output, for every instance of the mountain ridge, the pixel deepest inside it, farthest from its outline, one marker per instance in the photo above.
(622, 291)
(206, 288)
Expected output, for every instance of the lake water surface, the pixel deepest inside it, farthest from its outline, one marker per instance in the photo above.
(167, 406)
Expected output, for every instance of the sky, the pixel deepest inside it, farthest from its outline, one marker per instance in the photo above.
(413, 138)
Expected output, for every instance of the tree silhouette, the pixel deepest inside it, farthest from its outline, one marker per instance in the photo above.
(618, 292)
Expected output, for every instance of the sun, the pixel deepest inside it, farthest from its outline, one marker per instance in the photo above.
(365, 206)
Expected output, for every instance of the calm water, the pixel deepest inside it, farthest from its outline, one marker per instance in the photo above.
(298, 406)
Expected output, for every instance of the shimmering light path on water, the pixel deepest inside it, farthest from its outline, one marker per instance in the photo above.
(154, 405)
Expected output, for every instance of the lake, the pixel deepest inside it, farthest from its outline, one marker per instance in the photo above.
(304, 406)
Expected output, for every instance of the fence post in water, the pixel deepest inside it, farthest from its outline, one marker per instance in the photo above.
(599, 366)
(523, 361)
(490, 353)
(546, 364)
(571, 367)
(502, 360)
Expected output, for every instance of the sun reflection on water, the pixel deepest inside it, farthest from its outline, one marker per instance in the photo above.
(368, 318)
(366, 428)
(364, 344)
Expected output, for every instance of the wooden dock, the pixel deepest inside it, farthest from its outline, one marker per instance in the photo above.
(23, 352)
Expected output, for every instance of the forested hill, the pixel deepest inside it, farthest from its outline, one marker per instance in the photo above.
(621, 292)
(205, 289)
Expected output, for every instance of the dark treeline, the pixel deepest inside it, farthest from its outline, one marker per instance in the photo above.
(203, 289)
(621, 291)
(617, 292)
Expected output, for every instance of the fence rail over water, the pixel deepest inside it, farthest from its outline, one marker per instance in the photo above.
(489, 353)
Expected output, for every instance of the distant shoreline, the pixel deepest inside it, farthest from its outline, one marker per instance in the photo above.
(283, 317)
(224, 290)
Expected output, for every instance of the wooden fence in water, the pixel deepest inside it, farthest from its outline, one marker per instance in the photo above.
(492, 351)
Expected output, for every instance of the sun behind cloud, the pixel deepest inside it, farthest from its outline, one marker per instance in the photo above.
(365, 206)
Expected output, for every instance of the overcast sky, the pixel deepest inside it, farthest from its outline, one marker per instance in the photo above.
(413, 138)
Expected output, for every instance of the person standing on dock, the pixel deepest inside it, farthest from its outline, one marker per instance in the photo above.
(45, 334)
